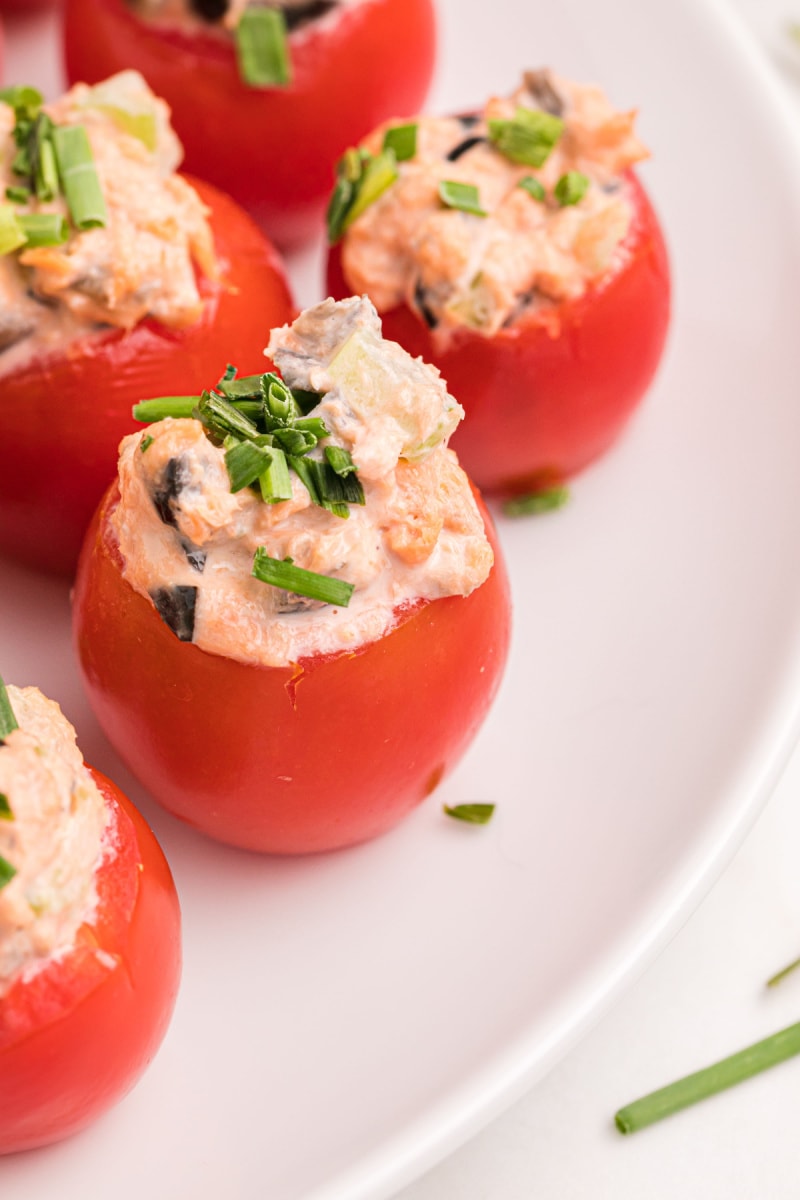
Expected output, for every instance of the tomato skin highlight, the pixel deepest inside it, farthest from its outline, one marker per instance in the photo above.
(544, 398)
(75, 1038)
(274, 150)
(278, 759)
(62, 417)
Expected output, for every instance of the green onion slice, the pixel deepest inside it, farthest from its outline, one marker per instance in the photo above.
(145, 443)
(7, 872)
(474, 814)
(245, 461)
(402, 139)
(11, 232)
(340, 460)
(160, 407)
(528, 138)
(275, 481)
(702, 1084)
(18, 195)
(537, 502)
(286, 575)
(79, 178)
(43, 229)
(360, 182)
(379, 174)
(26, 101)
(533, 186)
(571, 188)
(262, 48)
(5, 808)
(8, 722)
(463, 196)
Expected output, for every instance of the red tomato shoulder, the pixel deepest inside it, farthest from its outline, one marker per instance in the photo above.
(63, 415)
(273, 149)
(329, 752)
(75, 1036)
(543, 398)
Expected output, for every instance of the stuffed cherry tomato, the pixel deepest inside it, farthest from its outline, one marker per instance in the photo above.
(101, 305)
(89, 932)
(264, 119)
(517, 252)
(291, 626)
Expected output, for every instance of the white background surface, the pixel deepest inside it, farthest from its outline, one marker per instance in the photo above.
(703, 999)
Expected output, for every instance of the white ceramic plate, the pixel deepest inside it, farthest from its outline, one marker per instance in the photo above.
(345, 1021)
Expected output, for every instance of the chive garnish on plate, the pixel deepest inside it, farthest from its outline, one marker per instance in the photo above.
(262, 48)
(528, 137)
(779, 976)
(536, 502)
(463, 196)
(473, 814)
(707, 1082)
(283, 574)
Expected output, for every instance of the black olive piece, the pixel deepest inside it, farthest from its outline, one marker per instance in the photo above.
(427, 315)
(173, 481)
(539, 87)
(14, 328)
(461, 149)
(194, 556)
(468, 120)
(522, 302)
(301, 14)
(209, 10)
(175, 606)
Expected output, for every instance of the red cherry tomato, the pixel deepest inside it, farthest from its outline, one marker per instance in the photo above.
(273, 149)
(76, 1036)
(63, 415)
(549, 394)
(24, 6)
(331, 751)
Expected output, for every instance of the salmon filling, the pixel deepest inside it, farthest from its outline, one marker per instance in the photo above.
(142, 262)
(188, 542)
(51, 834)
(529, 237)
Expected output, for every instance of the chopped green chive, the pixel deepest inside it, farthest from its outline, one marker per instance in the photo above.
(275, 481)
(145, 443)
(463, 196)
(245, 461)
(79, 178)
(25, 101)
(160, 407)
(379, 173)
(11, 233)
(527, 138)
(286, 575)
(340, 460)
(257, 419)
(361, 180)
(533, 187)
(537, 502)
(5, 808)
(43, 229)
(402, 139)
(18, 195)
(8, 722)
(571, 188)
(262, 48)
(474, 814)
(7, 872)
(779, 976)
(44, 170)
(709, 1081)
